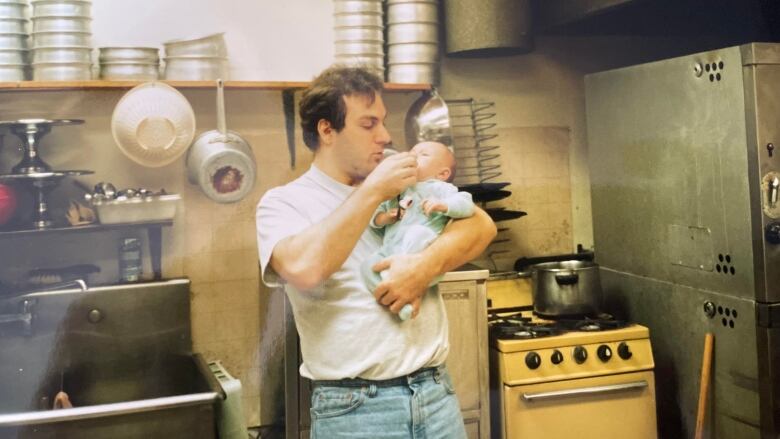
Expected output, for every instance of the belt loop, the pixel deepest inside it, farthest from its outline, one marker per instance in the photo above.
(372, 390)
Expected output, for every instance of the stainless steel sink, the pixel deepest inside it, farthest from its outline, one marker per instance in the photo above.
(123, 355)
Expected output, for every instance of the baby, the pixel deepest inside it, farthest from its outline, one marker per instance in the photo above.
(420, 213)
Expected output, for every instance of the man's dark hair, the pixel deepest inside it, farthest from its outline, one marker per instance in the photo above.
(324, 98)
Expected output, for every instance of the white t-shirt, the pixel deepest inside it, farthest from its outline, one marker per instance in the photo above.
(344, 331)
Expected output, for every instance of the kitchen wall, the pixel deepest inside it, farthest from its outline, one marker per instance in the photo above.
(540, 116)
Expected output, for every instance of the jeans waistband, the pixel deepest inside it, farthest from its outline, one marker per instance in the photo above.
(399, 381)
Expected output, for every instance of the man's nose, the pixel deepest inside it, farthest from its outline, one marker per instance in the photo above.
(382, 136)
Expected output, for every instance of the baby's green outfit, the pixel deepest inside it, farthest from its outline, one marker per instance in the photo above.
(415, 230)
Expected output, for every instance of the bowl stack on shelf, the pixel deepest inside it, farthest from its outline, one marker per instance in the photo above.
(13, 40)
(412, 41)
(358, 30)
(129, 63)
(199, 59)
(61, 40)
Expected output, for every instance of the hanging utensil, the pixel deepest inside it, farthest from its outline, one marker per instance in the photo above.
(220, 161)
(288, 105)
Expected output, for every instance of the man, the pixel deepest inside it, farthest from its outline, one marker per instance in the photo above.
(374, 375)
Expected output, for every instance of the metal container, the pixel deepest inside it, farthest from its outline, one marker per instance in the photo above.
(352, 20)
(11, 72)
(13, 56)
(143, 383)
(412, 33)
(567, 288)
(428, 119)
(489, 27)
(412, 53)
(357, 6)
(417, 73)
(61, 8)
(62, 71)
(371, 61)
(359, 47)
(12, 10)
(13, 26)
(61, 24)
(129, 71)
(59, 39)
(359, 33)
(412, 12)
(62, 55)
(149, 55)
(209, 46)
(196, 68)
(137, 209)
(13, 41)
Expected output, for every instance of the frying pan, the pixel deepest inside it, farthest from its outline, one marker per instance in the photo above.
(483, 197)
(482, 187)
(501, 214)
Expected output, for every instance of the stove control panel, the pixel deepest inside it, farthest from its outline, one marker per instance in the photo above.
(586, 360)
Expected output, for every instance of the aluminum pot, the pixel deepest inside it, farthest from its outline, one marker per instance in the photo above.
(62, 55)
(12, 10)
(209, 46)
(61, 24)
(149, 55)
(220, 161)
(13, 56)
(566, 288)
(357, 6)
(376, 62)
(412, 33)
(417, 12)
(194, 68)
(11, 72)
(62, 71)
(359, 47)
(359, 33)
(404, 53)
(413, 73)
(59, 39)
(13, 26)
(350, 20)
(62, 8)
(129, 71)
(13, 41)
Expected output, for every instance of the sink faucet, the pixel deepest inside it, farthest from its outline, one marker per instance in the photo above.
(25, 316)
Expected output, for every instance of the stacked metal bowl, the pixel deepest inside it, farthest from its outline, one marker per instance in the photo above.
(129, 63)
(61, 40)
(13, 40)
(413, 41)
(199, 59)
(358, 29)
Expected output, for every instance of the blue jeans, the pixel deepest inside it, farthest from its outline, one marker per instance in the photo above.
(421, 405)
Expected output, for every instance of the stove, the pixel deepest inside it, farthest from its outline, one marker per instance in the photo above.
(589, 377)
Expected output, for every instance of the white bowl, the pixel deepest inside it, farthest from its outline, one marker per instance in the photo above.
(153, 124)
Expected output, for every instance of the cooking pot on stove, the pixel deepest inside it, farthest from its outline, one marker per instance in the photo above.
(566, 288)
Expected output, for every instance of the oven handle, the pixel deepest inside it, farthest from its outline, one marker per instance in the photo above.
(542, 396)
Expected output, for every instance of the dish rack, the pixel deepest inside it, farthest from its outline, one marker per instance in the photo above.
(478, 158)
(230, 416)
(477, 155)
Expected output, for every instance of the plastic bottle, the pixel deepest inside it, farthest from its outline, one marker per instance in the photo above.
(130, 263)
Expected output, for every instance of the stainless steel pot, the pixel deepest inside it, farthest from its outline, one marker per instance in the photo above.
(566, 288)
(220, 161)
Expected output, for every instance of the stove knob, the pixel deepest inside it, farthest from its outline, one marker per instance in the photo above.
(580, 354)
(556, 357)
(533, 360)
(772, 233)
(604, 353)
(624, 351)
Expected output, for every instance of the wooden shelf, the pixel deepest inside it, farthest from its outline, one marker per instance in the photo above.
(110, 85)
(85, 228)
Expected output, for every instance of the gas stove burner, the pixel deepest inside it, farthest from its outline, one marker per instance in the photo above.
(592, 325)
(523, 330)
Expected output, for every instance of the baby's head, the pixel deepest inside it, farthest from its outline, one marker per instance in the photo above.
(434, 160)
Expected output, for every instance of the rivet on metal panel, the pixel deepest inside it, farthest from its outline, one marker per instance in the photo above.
(770, 148)
(697, 69)
(709, 309)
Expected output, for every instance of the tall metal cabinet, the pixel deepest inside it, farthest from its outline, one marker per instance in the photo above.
(465, 298)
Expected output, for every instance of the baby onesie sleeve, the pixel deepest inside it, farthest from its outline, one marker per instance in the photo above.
(459, 204)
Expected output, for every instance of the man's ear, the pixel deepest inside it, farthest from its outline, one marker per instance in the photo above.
(325, 130)
(444, 174)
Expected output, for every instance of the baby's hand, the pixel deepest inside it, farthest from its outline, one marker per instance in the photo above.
(386, 218)
(431, 205)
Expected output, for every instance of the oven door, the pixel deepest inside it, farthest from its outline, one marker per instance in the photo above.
(614, 406)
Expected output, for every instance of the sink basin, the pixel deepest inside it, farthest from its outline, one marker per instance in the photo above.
(122, 354)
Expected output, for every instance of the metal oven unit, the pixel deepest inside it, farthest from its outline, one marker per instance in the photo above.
(583, 378)
(685, 182)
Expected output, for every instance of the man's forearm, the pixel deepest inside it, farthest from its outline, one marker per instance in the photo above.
(462, 241)
(305, 260)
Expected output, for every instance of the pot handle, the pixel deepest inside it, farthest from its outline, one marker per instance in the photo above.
(221, 123)
(567, 278)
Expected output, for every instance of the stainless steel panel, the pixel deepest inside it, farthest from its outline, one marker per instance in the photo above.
(667, 148)
(677, 321)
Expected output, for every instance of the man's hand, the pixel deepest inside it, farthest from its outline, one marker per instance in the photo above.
(407, 281)
(431, 205)
(392, 175)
